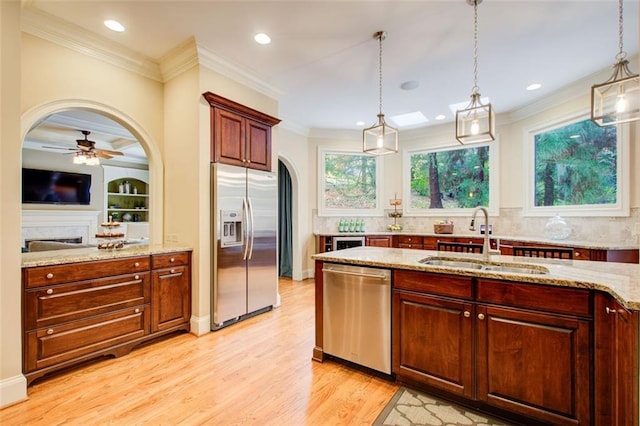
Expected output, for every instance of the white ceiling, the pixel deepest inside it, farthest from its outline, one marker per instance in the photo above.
(324, 60)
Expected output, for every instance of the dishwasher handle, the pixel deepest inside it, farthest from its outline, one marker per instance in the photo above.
(357, 274)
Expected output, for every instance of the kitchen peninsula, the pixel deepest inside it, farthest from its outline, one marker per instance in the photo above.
(534, 340)
(82, 303)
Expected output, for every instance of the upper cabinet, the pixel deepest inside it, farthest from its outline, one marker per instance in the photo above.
(240, 136)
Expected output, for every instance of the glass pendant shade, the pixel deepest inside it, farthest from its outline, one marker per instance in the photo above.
(617, 100)
(476, 123)
(79, 159)
(380, 138)
(93, 161)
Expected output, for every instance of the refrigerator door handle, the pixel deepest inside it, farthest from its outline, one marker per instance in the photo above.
(251, 234)
(245, 230)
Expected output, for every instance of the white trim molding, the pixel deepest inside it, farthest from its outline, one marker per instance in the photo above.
(13, 390)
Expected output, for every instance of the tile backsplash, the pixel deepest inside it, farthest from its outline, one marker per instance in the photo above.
(510, 223)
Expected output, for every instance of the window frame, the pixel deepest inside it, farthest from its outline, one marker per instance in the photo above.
(355, 212)
(620, 208)
(494, 180)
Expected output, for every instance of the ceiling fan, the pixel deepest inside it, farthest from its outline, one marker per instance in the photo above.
(86, 151)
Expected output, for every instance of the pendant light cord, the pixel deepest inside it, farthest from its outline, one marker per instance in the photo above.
(380, 38)
(475, 47)
(621, 53)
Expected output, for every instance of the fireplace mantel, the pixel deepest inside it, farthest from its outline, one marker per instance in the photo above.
(50, 224)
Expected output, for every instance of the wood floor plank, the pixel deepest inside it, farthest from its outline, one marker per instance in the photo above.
(256, 372)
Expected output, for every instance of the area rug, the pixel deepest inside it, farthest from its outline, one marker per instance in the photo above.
(409, 408)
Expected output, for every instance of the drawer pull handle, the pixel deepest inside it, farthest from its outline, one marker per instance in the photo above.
(577, 253)
(137, 311)
(609, 310)
(467, 314)
(50, 291)
(172, 260)
(49, 275)
(137, 277)
(50, 331)
(173, 271)
(136, 264)
(480, 316)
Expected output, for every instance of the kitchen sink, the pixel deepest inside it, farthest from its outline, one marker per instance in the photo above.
(483, 265)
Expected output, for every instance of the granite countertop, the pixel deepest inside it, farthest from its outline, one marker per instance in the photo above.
(59, 257)
(621, 280)
(539, 240)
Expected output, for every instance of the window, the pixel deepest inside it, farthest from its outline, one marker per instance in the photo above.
(577, 168)
(450, 181)
(349, 183)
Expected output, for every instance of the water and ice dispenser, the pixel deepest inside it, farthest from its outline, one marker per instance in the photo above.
(231, 229)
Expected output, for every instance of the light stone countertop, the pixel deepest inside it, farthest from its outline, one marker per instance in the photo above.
(60, 257)
(538, 240)
(621, 280)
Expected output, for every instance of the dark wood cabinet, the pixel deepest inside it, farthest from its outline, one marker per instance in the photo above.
(517, 348)
(171, 289)
(379, 240)
(534, 364)
(240, 136)
(433, 342)
(78, 311)
(616, 363)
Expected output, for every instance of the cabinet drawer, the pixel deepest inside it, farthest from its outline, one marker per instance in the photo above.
(441, 284)
(547, 298)
(169, 260)
(409, 239)
(54, 345)
(410, 246)
(50, 305)
(57, 274)
(431, 243)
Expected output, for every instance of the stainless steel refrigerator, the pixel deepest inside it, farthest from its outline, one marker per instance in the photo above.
(244, 224)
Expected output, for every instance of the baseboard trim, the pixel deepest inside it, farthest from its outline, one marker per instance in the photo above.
(200, 325)
(13, 390)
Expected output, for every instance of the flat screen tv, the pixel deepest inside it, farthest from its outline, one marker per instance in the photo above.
(55, 187)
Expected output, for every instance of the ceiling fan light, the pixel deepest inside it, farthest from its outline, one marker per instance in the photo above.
(93, 161)
(79, 159)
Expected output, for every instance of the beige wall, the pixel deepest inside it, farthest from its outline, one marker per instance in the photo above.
(12, 383)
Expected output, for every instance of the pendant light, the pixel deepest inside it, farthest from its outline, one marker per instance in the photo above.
(380, 138)
(617, 100)
(475, 123)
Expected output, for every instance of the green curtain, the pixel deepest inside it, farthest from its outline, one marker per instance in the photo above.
(285, 240)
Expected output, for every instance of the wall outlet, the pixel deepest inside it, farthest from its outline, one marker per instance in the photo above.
(172, 238)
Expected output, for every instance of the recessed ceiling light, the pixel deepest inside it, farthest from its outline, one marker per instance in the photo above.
(410, 85)
(114, 25)
(534, 86)
(360, 123)
(262, 38)
(441, 117)
(574, 136)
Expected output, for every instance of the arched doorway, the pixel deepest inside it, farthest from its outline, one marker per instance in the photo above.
(285, 222)
(103, 115)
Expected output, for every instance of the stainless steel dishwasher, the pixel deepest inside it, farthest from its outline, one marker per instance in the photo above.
(356, 323)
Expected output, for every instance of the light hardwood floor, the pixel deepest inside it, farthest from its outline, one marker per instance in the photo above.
(257, 372)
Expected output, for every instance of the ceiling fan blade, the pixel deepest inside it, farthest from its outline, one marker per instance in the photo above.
(108, 151)
(57, 147)
(103, 155)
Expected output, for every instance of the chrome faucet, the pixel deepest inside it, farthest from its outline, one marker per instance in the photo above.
(472, 227)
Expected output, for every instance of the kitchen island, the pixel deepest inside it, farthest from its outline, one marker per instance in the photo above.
(533, 340)
(83, 303)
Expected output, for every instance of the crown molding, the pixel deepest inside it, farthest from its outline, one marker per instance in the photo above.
(237, 73)
(294, 127)
(179, 59)
(76, 38)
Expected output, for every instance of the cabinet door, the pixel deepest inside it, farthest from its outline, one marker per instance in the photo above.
(432, 342)
(171, 306)
(616, 363)
(258, 145)
(228, 137)
(534, 364)
(378, 241)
